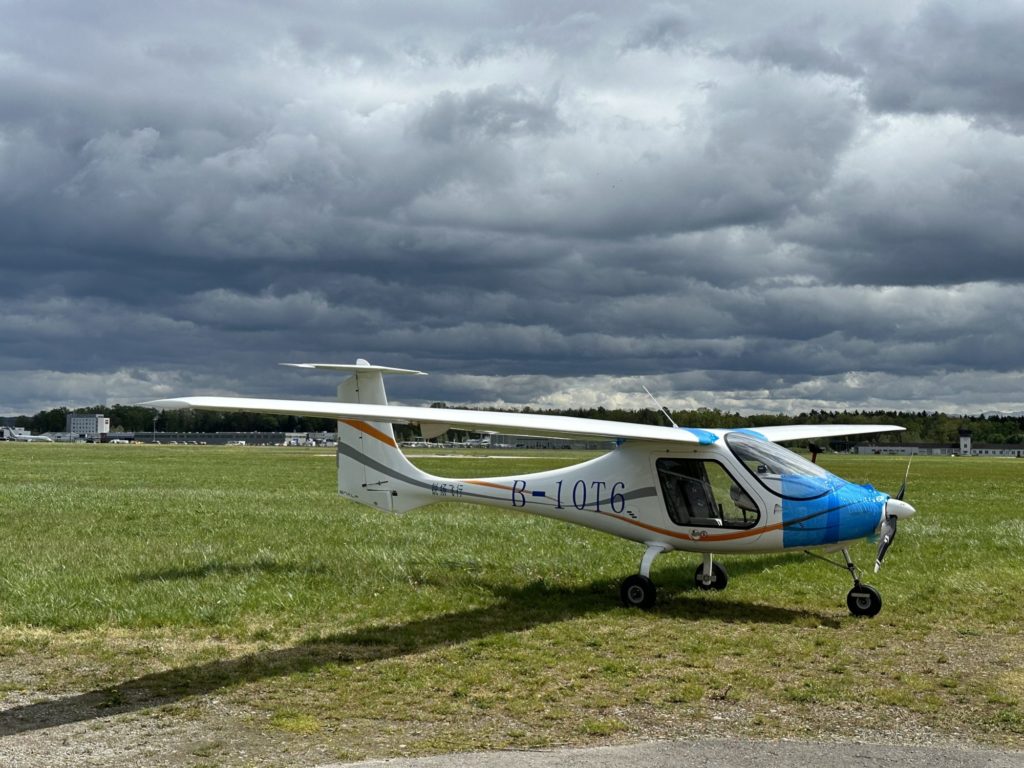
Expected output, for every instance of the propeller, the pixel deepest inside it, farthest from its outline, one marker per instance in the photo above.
(888, 534)
(906, 476)
(895, 508)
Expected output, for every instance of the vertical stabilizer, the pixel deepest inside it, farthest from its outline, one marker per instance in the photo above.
(371, 468)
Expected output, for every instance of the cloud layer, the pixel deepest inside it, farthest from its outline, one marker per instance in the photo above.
(752, 207)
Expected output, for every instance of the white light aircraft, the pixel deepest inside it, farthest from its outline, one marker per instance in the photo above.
(21, 436)
(709, 491)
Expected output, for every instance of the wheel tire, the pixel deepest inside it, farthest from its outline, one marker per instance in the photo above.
(719, 577)
(638, 591)
(863, 600)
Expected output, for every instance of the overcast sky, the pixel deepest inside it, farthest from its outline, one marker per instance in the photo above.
(751, 206)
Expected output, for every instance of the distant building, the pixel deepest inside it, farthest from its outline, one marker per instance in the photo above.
(967, 448)
(88, 425)
(964, 447)
(965, 442)
(526, 441)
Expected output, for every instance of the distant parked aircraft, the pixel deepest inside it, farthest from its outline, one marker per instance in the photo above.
(21, 436)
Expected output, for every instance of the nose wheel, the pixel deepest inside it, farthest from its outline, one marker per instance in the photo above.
(863, 599)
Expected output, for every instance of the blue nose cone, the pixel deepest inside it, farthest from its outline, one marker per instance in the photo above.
(844, 512)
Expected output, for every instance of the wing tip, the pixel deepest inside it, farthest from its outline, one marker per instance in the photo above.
(167, 404)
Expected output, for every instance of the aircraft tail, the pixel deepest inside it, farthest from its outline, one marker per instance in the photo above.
(371, 468)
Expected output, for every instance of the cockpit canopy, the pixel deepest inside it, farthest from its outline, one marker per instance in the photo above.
(781, 471)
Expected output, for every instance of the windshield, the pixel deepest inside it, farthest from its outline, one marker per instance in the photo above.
(781, 471)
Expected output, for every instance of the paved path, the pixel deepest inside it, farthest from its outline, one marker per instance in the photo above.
(718, 754)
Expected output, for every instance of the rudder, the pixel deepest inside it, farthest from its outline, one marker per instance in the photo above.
(372, 470)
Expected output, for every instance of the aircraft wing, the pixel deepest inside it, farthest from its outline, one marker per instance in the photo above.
(534, 424)
(485, 421)
(809, 431)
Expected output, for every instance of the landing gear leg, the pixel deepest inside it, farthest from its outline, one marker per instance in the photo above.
(863, 599)
(638, 591)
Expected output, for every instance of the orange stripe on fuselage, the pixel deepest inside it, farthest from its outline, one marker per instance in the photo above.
(731, 536)
(489, 485)
(373, 432)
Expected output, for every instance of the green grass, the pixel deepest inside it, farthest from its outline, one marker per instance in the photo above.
(141, 580)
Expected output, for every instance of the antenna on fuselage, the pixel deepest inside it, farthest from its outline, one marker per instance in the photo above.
(661, 407)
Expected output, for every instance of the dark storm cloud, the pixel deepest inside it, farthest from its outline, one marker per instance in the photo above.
(749, 206)
(663, 28)
(960, 58)
(487, 115)
(796, 50)
(942, 208)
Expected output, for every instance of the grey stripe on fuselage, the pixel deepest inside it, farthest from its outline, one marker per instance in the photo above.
(384, 469)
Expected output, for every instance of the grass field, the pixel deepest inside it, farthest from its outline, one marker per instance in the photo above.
(228, 605)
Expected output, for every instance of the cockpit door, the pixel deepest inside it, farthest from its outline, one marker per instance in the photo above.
(701, 496)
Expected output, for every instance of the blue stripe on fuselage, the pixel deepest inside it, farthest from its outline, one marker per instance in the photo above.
(705, 437)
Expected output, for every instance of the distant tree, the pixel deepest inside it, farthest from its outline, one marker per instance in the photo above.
(54, 420)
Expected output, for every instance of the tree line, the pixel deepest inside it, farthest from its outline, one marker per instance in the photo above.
(134, 418)
(921, 426)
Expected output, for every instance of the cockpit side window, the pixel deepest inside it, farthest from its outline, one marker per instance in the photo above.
(702, 493)
(780, 471)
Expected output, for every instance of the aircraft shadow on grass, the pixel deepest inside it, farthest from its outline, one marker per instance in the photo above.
(516, 610)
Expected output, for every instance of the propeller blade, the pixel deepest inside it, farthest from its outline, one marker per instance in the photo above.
(888, 534)
(903, 488)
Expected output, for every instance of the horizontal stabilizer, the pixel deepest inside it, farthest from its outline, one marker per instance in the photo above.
(360, 366)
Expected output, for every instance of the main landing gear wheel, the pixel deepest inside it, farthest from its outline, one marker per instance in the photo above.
(638, 592)
(864, 600)
(719, 577)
